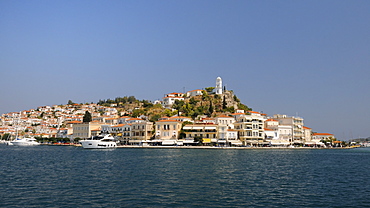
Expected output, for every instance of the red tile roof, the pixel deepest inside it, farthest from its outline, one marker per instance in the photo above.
(271, 120)
(323, 134)
(168, 121)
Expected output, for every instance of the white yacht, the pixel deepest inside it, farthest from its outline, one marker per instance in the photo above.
(27, 141)
(99, 142)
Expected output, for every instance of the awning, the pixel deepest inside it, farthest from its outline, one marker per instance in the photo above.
(310, 142)
(156, 140)
(279, 142)
(252, 141)
(206, 140)
(210, 127)
(187, 127)
(236, 142)
(134, 141)
(168, 142)
(197, 127)
(151, 141)
(189, 142)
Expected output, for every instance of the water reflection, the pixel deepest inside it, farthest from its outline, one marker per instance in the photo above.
(183, 177)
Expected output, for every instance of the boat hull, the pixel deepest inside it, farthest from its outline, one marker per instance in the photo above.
(23, 144)
(96, 144)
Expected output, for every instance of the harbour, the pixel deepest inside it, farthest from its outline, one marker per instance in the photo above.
(65, 176)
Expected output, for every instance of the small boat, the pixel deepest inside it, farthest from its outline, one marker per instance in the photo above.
(27, 141)
(99, 142)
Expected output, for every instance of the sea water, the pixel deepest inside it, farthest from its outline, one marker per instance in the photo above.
(67, 176)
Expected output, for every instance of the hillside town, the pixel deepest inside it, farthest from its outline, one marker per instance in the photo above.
(226, 123)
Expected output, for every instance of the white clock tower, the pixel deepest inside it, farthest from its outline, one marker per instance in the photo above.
(218, 86)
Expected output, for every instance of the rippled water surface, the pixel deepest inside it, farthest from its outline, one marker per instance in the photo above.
(58, 176)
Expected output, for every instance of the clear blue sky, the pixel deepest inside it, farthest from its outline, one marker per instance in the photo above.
(307, 58)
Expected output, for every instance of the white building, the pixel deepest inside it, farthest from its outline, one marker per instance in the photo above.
(194, 93)
(296, 126)
(218, 88)
(224, 119)
(168, 101)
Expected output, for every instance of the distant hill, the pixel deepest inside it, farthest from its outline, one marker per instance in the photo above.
(360, 140)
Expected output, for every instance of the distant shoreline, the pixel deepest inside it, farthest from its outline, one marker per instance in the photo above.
(201, 147)
(212, 147)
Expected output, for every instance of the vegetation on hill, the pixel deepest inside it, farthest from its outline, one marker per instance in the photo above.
(119, 101)
(208, 104)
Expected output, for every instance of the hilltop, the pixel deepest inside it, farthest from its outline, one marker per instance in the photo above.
(206, 104)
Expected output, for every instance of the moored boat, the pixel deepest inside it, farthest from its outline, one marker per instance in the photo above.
(27, 141)
(99, 142)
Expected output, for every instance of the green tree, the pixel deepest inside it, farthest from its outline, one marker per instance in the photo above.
(193, 101)
(178, 105)
(205, 95)
(138, 112)
(169, 113)
(147, 104)
(155, 117)
(131, 99)
(230, 109)
(210, 109)
(87, 117)
(209, 89)
(243, 107)
(188, 109)
(5, 136)
(236, 99)
(224, 103)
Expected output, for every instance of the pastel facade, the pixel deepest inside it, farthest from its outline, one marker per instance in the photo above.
(307, 133)
(222, 131)
(126, 133)
(86, 130)
(285, 133)
(296, 123)
(250, 128)
(124, 119)
(167, 129)
(207, 132)
(142, 130)
(271, 124)
(225, 120)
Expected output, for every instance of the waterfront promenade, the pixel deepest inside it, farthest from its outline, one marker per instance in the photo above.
(207, 147)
